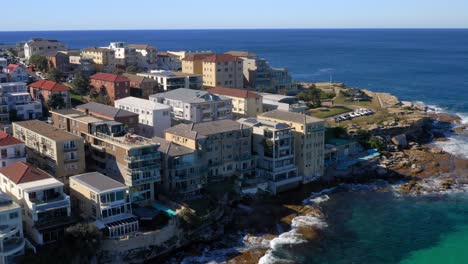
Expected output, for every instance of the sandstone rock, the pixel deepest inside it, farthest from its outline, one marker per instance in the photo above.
(416, 168)
(400, 140)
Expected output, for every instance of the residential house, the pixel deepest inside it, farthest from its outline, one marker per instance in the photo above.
(273, 148)
(12, 150)
(11, 230)
(16, 73)
(309, 133)
(171, 80)
(245, 103)
(168, 61)
(111, 150)
(42, 90)
(113, 86)
(153, 117)
(104, 201)
(283, 102)
(103, 58)
(217, 69)
(16, 103)
(194, 105)
(57, 152)
(46, 207)
(141, 86)
(59, 60)
(128, 118)
(179, 169)
(42, 46)
(224, 147)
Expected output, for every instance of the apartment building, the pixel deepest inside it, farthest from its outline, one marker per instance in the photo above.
(224, 147)
(103, 58)
(59, 60)
(140, 55)
(16, 73)
(55, 151)
(46, 208)
(16, 102)
(108, 112)
(171, 80)
(106, 202)
(128, 158)
(42, 46)
(12, 150)
(273, 145)
(112, 86)
(153, 117)
(283, 102)
(245, 103)
(168, 61)
(179, 169)
(309, 135)
(217, 69)
(141, 86)
(194, 105)
(11, 230)
(42, 90)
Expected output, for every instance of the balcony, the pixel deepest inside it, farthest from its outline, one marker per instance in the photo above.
(75, 159)
(186, 177)
(12, 246)
(151, 156)
(44, 205)
(14, 156)
(70, 148)
(183, 165)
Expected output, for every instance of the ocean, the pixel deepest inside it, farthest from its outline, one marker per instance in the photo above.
(427, 65)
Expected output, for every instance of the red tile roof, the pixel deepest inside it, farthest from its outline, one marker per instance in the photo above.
(21, 172)
(49, 86)
(8, 140)
(241, 93)
(11, 67)
(195, 57)
(221, 58)
(108, 77)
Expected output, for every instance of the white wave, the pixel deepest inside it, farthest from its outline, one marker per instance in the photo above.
(456, 145)
(270, 258)
(252, 241)
(319, 197)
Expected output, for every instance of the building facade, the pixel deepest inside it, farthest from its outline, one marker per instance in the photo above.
(153, 117)
(12, 150)
(41, 46)
(16, 102)
(171, 80)
(112, 86)
(16, 73)
(42, 90)
(103, 58)
(195, 106)
(107, 112)
(55, 151)
(245, 103)
(105, 201)
(11, 230)
(309, 135)
(141, 86)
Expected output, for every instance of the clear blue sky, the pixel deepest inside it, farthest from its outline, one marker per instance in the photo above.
(203, 14)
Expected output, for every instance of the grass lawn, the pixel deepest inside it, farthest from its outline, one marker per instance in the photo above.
(374, 104)
(332, 111)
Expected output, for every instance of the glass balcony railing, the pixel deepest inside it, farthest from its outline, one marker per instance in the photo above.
(142, 157)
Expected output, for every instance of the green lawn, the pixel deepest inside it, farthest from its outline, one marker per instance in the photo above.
(327, 112)
(341, 99)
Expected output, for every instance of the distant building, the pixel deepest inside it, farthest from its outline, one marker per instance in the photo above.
(180, 169)
(217, 69)
(103, 58)
(16, 73)
(113, 86)
(153, 117)
(195, 106)
(128, 158)
(129, 119)
(41, 46)
(224, 147)
(11, 232)
(140, 55)
(59, 60)
(168, 61)
(282, 102)
(42, 90)
(245, 103)
(171, 80)
(141, 86)
(46, 208)
(57, 152)
(273, 145)
(12, 150)
(104, 201)
(309, 133)
(16, 102)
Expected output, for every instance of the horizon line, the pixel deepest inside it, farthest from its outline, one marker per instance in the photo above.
(200, 29)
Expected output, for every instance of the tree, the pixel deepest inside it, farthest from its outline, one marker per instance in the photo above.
(13, 52)
(132, 69)
(81, 83)
(14, 116)
(84, 239)
(40, 62)
(56, 101)
(376, 143)
(54, 75)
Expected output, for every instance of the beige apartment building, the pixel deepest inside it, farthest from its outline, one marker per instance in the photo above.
(55, 151)
(217, 69)
(309, 141)
(245, 103)
(126, 157)
(223, 146)
(103, 58)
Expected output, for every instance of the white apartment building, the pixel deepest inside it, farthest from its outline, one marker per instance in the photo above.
(143, 56)
(273, 144)
(46, 207)
(170, 80)
(153, 117)
(194, 105)
(12, 150)
(42, 46)
(106, 201)
(14, 96)
(11, 230)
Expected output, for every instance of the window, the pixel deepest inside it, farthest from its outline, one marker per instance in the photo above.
(13, 215)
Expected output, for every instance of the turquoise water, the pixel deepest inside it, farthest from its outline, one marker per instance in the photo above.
(375, 227)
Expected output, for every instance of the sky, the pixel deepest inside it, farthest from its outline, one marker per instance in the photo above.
(27, 15)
